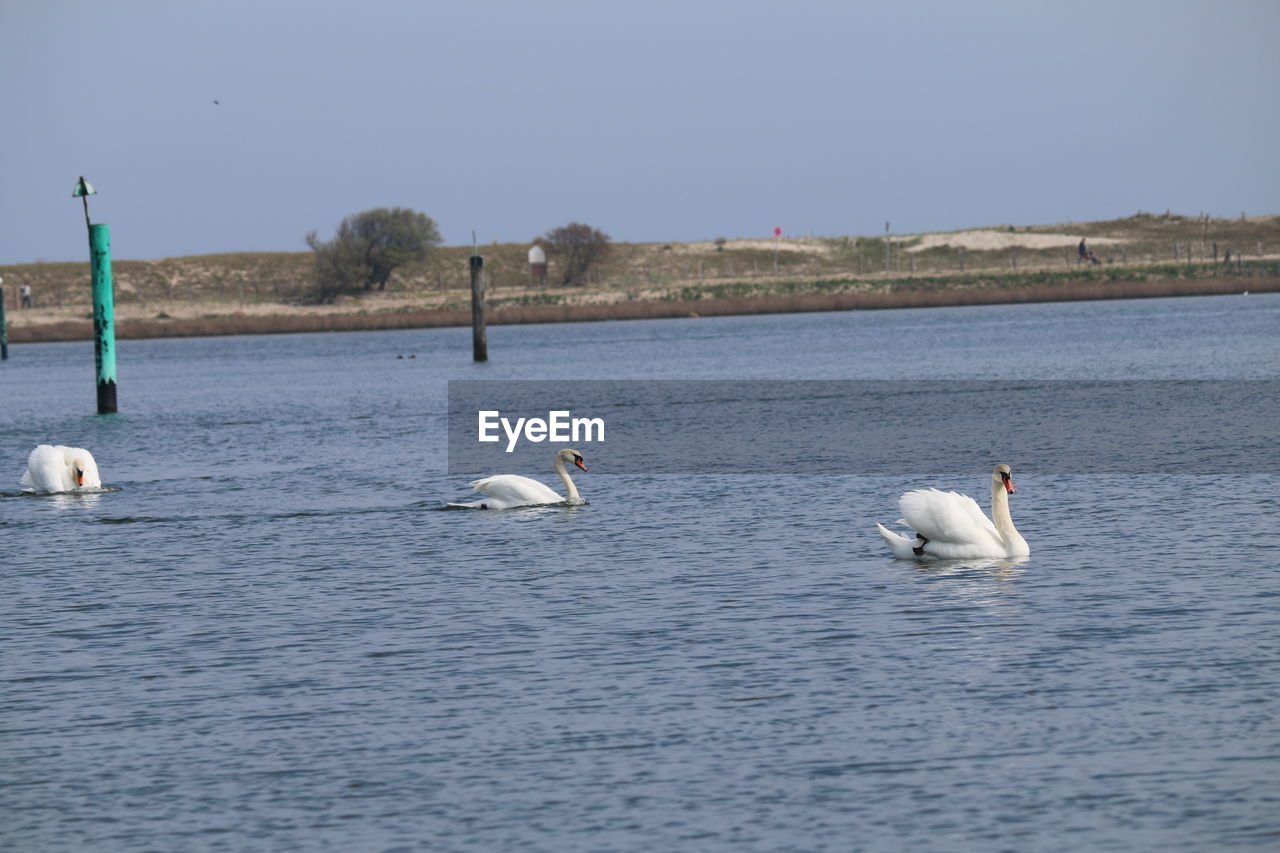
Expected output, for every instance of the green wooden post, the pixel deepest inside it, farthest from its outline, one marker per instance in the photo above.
(104, 323)
(104, 303)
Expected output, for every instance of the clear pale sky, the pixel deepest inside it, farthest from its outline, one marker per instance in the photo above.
(652, 120)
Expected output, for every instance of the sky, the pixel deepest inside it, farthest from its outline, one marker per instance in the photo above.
(242, 125)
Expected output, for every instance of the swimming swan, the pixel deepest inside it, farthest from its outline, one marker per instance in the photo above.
(505, 491)
(951, 526)
(60, 469)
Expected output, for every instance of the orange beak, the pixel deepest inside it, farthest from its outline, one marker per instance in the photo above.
(1008, 483)
(580, 463)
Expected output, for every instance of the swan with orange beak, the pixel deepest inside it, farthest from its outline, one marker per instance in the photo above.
(951, 526)
(55, 468)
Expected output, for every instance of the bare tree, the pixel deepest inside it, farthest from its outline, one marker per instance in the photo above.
(368, 247)
(580, 247)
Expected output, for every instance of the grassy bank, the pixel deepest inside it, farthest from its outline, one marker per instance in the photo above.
(268, 292)
(706, 306)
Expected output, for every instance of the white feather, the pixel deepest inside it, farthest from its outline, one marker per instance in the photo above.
(951, 526)
(57, 468)
(506, 491)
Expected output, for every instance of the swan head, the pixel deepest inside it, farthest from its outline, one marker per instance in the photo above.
(84, 471)
(1003, 476)
(573, 456)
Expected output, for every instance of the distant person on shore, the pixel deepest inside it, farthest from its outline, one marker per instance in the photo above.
(25, 293)
(1084, 253)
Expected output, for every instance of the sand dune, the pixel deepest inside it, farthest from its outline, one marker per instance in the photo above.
(989, 239)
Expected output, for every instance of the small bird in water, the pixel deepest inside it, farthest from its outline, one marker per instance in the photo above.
(216, 102)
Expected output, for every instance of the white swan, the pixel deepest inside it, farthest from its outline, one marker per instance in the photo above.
(505, 491)
(951, 526)
(60, 469)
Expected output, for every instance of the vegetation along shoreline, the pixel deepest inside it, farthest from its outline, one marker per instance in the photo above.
(253, 324)
(1142, 256)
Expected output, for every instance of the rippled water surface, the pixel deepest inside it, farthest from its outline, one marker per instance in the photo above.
(266, 635)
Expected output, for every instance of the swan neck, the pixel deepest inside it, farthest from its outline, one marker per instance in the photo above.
(1000, 510)
(570, 488)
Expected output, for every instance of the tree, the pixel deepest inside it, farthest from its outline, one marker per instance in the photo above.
(368, 247)
(579, 247)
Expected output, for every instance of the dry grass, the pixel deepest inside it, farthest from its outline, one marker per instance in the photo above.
(254, 292)
(245, 324)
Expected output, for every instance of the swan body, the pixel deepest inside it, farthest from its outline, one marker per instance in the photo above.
(60, 469)
(951, 526)
(505, 491)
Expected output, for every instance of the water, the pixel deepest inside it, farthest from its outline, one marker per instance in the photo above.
(266, 636)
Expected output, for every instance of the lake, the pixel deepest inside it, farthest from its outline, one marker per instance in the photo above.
(266, 633)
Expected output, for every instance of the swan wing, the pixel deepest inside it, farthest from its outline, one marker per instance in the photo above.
(49, 469)
(510, 490)
(949, 518)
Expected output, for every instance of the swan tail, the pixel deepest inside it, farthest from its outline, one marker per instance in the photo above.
(902, 547)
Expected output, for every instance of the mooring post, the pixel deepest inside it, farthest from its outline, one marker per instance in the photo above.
(479, 338)
(104, 323)
(104, 303)
(4, 327)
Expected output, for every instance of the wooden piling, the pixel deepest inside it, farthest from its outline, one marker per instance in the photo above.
(4, 327)
(479, 336)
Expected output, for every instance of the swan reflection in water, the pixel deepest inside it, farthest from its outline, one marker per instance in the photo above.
(990, 585)
(1000, 569)
(85, 499)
